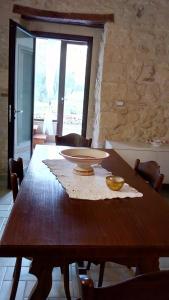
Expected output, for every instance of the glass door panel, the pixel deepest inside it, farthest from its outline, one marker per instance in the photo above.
(47, 62)
(60, 88)
(21, 80)
(24, 70)
(76, 57)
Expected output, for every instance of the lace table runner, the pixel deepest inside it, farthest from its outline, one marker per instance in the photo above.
(87, 187)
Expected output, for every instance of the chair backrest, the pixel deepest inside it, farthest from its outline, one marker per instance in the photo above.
(16, 175)
(73, 139)
(150, 171)
(14, 185)
(16, 166)
(152, 286)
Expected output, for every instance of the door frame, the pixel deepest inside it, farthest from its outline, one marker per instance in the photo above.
(69, 38)
(11, 86)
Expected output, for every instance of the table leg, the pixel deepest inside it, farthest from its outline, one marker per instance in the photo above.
(146, 265)
(66, 281)
(43, 272)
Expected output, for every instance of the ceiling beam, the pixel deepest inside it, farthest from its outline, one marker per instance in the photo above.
(83, 19)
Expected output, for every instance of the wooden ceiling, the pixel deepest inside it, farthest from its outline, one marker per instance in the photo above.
(82, 19)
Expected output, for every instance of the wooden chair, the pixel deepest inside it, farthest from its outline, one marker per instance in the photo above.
(150, 171)
(14, 185)
(73, 140)
(16, 166)
(151, 286)
(16, 175)
(16, 179)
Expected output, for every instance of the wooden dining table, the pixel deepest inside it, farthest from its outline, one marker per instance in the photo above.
(49, 226)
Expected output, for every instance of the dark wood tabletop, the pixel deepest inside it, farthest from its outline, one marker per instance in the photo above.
(45, 222)
(44, 217)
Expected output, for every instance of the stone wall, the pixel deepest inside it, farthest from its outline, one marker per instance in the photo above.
(133, 68)
(136, 71)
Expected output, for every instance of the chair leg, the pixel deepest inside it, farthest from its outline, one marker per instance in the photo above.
(80, 264)
(65, 269)
(101, 274)
(16, 275)
(62, 270)
(88, 266)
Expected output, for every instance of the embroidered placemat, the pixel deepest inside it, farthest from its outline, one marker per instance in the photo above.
(87, 187)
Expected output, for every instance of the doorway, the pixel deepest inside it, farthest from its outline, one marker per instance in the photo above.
(62, 92)
(61, 87)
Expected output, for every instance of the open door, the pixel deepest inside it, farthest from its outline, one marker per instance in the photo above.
(21, 90)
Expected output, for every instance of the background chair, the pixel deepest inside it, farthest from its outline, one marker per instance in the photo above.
(14, 185)
(16, 177)
(73, 140)
(150, 171)
(16, 174)
(16, 166)
(152, 286)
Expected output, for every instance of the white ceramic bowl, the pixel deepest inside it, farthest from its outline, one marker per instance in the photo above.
(84, 158)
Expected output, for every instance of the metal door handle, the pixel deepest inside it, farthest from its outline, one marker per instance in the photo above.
(18, 111)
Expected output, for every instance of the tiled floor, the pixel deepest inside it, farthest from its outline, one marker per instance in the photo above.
(113, 272)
